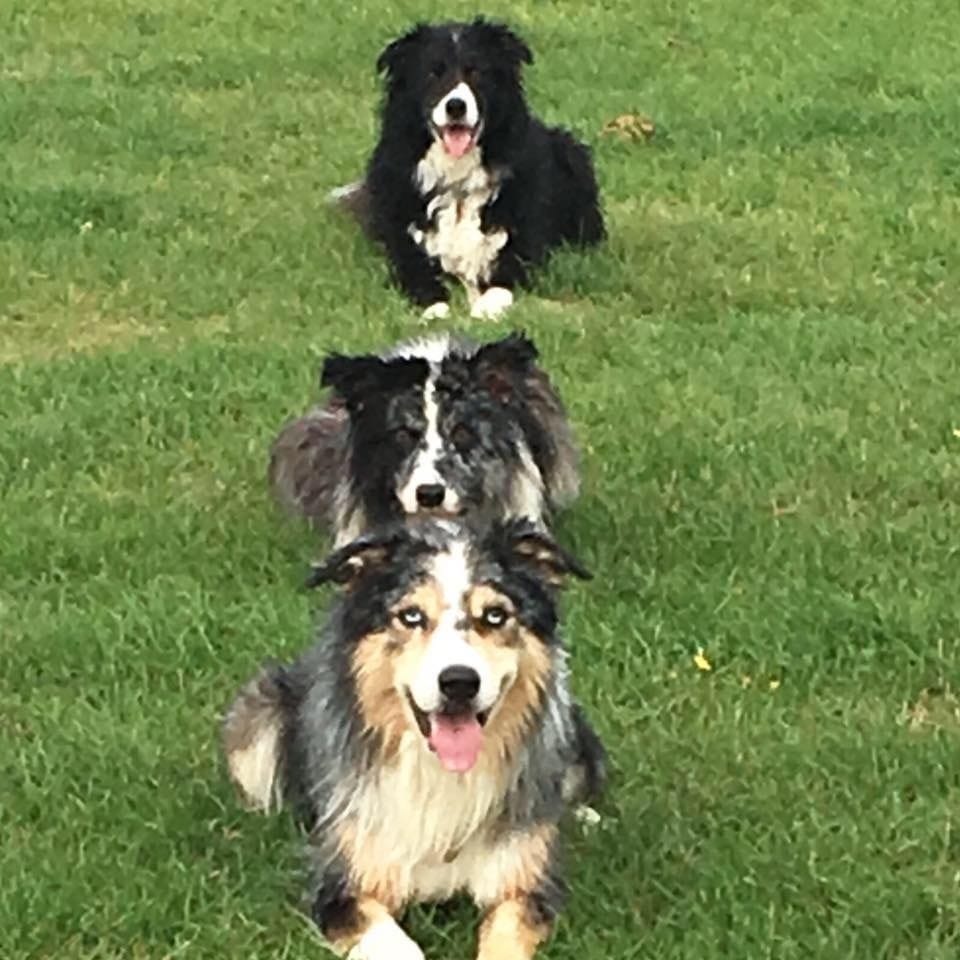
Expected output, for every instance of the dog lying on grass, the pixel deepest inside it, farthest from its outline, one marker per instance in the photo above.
(440, 426)
(429, 741)
(465, 182)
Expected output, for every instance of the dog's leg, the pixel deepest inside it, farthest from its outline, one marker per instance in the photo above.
(361, 928)
(419, 277)
(513, 930)
(529, 893)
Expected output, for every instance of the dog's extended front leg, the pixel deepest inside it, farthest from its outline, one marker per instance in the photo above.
(419, 277)
(530, 894)
(513, 930)
(361, 928)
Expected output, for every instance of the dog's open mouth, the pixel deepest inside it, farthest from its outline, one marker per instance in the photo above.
(457, 138)
(456, 739)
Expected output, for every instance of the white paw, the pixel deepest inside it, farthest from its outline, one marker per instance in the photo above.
(491, 303)
(437, 311)
(587, 817)
(385, 941)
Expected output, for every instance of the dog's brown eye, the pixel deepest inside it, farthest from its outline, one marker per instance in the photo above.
(439, 69)
(494, 616)
(406, 439)
(463, 438)
(412, 617)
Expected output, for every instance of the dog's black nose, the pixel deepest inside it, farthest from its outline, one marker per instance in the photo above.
(431, 494)
(459, 684)
(456, 108)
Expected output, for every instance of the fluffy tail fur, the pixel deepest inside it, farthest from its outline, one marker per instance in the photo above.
(308, 460)
(254, 739)
(354, 199)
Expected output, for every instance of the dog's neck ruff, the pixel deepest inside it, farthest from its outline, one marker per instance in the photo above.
(440, 173)
(456, 190)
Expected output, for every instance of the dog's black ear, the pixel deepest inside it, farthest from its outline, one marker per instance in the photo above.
(397, 53)
(356, 379)
(350, 376)
(354, 561)
(504, 41)
(499, 365)
(532, 547)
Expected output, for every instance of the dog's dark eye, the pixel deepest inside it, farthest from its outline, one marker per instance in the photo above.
(494, 616)
(463, 437)
(438, 69)
(412, 617)
(406, 439)
(470, 73)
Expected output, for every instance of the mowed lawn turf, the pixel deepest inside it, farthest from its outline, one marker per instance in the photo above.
(762, 366)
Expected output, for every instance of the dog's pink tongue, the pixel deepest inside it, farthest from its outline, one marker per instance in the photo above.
(456, 741)
(457, 140)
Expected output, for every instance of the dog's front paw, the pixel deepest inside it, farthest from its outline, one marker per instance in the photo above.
(385, 941)
(492, 303)
(436, 311)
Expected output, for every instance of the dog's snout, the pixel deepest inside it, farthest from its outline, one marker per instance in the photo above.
(456, 108)
(459, 684)
(431, 495)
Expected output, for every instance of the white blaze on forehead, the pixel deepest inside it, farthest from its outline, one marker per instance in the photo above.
(448, 646)
(460, 92)
(425, 463)
(424, 470)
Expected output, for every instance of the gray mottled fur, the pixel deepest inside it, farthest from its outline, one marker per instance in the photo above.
(310, 458)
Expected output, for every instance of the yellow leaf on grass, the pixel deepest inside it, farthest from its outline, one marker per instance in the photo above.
(701, 662)
(774, 684)
(630, 126)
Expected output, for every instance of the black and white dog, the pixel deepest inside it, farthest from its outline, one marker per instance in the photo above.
(441, 426)
(464, 180)
(429, 741)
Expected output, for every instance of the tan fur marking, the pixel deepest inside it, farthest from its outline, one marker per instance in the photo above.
(382, 658)
(380, 705)
(508, 933)
(532, 854)
(513, 715)
(378, 880)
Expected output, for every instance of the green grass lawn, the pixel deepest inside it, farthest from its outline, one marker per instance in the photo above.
(764, 369)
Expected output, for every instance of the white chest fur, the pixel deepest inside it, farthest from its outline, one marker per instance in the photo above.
(429, 830)
(459, 189)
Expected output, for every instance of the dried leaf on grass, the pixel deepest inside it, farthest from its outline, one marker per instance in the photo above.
(630, 126)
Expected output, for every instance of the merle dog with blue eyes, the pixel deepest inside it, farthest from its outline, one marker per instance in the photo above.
(441, 426)
(465, 182)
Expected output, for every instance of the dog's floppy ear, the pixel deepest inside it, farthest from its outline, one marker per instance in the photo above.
(500, 364)
(351, 376)
(531, 547)
(350, 563)
(357, 378)
(504, 41)
(395, 55)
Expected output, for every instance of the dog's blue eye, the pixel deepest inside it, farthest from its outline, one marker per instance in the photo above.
(494, 616)
(412, 617)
